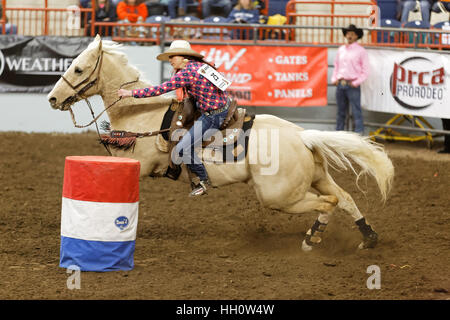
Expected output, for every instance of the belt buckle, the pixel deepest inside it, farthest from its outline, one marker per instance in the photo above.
(344, 82)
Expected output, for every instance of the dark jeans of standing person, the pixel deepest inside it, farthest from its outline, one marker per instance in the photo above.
(446, 127)
(202, 130)
(346, 95)
(225, 6)
(411, 5)
(172, 8)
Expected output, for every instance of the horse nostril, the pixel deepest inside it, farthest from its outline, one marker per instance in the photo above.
(52, 100)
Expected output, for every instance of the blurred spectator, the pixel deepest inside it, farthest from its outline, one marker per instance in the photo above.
(446, 127)
(277, 20)
(172, 7)
(244, 12)
(84, 3)
(84, 16)
(88, 3)
(410, 5)
(157, 7)
(224, 5)
(443, 3)
(9, 27)
(132, 11)
(105, 11)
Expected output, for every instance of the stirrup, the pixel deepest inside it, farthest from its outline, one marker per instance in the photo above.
(199, 189)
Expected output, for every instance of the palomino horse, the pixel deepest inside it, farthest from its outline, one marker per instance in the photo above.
(298, 182)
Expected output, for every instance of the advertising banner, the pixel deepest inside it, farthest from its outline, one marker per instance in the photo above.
(272, 76)
(35, 64)
(407, 82)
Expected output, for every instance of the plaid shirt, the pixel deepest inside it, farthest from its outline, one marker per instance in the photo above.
(208, 96)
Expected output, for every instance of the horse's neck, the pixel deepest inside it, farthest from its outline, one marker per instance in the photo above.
(126, 111)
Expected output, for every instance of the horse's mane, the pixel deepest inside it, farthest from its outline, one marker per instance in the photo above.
(115, 49)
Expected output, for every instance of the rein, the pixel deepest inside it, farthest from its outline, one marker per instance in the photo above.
(80, 94)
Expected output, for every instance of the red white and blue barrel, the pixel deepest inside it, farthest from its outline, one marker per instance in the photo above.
(99, 213)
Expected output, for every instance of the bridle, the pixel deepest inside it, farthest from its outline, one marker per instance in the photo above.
(79, 93)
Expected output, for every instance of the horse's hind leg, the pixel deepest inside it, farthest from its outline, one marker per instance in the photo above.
(326, 185)
(325, 204)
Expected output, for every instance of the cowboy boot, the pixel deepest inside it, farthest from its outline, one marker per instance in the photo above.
(200, 188)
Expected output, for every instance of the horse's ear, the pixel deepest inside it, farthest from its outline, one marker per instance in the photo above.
(99, 40)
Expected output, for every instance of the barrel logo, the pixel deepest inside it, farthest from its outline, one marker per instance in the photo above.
(121, 222)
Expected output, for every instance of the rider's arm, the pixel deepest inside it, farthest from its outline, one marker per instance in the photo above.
(180, 79)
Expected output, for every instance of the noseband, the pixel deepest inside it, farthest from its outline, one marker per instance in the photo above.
(87, 86)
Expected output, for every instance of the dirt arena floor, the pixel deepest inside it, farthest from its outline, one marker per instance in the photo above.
(224, 245)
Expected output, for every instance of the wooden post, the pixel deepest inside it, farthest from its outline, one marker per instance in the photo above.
(46, 18)
(3, 18)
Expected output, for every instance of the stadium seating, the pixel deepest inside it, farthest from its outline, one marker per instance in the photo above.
(388, 9)
(186, 32)
(156, 8)
(277, 6)
(418, 37)
(193, 7)
(214, 33)
(417, 24)
(156, 19)
(388, 36)
(443, 38)
(442, 24)
(190, 19)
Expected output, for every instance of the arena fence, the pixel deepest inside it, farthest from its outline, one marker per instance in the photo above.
(305, 27)
(47, 21)
(330, 13)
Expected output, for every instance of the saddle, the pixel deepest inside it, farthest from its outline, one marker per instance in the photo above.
(229, 143)
(186, 114)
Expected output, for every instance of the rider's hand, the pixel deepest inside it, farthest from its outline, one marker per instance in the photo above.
(124, 93)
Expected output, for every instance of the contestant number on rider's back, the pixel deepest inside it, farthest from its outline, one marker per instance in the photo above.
(215, 77)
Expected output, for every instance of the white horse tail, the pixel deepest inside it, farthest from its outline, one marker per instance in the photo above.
(337, 148)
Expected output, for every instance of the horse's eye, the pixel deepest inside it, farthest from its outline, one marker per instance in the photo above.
(78, 70)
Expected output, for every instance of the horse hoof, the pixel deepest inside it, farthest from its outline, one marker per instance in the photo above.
(306, 247)
(369, 242)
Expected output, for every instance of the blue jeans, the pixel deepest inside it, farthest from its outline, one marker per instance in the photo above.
(436, 9)
(203, 129)
(9, 28)
(172, 7)
(410, 5)
(224, 4)
(346, 95)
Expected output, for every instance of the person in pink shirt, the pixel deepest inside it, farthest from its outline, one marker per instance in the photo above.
(351, 68)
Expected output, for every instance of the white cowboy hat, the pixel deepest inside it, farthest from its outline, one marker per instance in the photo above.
(178, 48)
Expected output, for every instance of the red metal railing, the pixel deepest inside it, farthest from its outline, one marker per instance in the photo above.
(54, 21)
(331, 13)
(71, 21)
